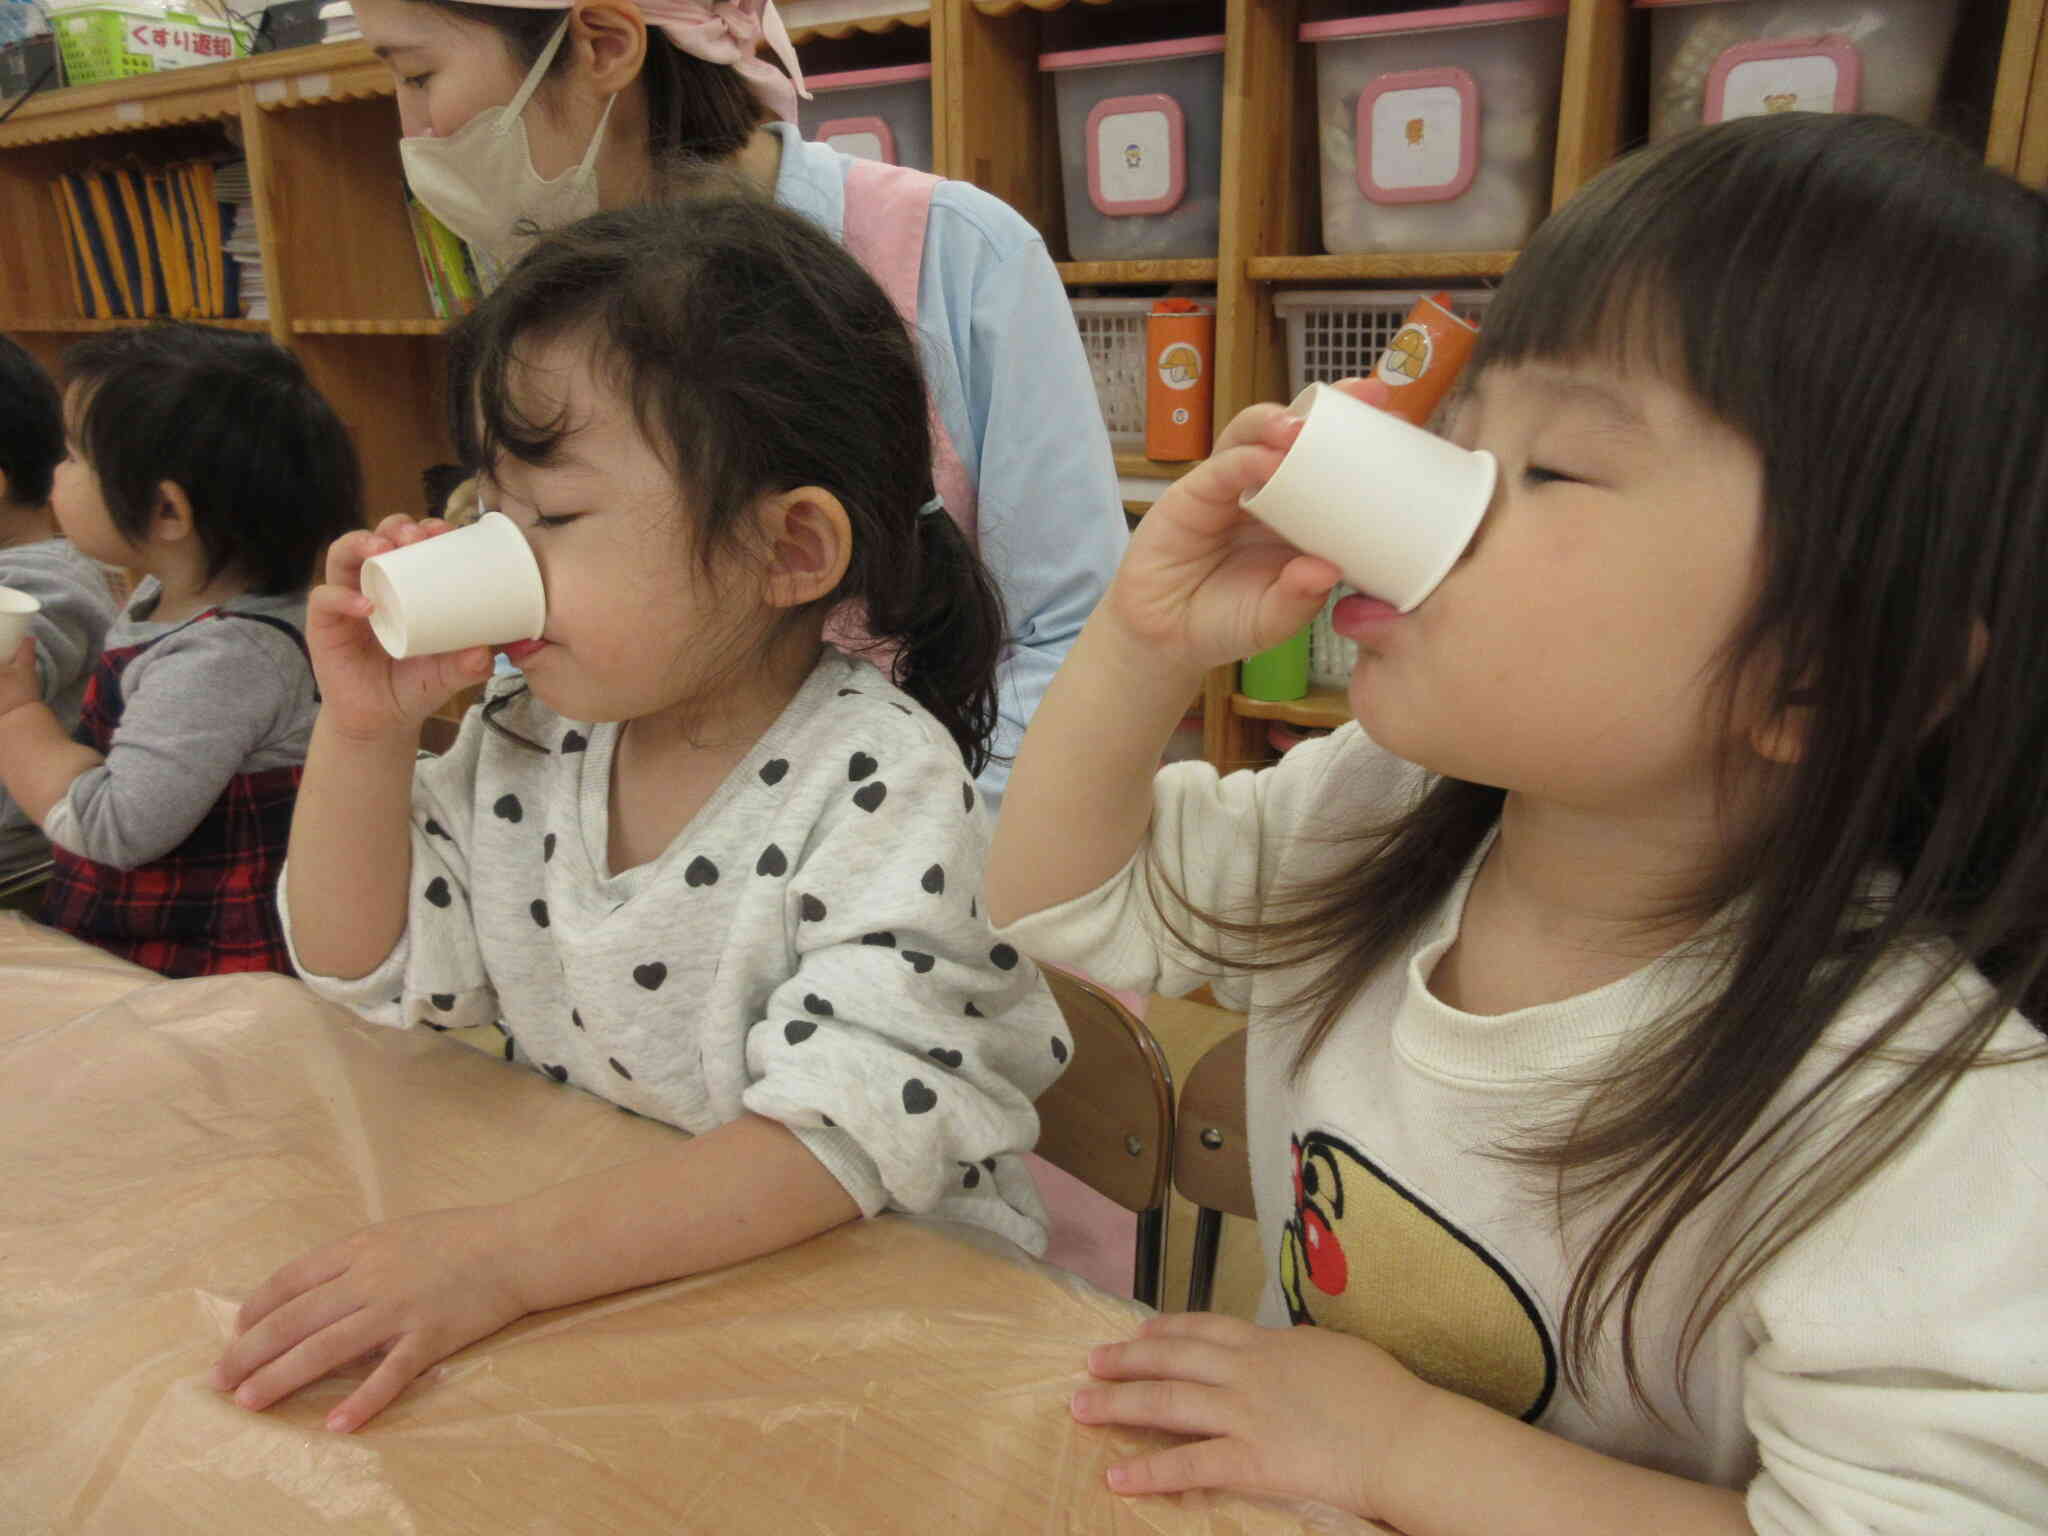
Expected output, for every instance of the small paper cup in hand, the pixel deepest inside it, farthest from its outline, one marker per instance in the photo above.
(477, 585)
(1390, 505)
(16, 610)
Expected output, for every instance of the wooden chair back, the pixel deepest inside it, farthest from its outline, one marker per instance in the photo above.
(1211, 1161)
(1108, 1121)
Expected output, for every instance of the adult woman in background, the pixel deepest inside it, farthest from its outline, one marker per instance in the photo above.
(528, 116)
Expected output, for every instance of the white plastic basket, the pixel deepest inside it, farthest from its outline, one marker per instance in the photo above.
(1330, 655)
(1113, 336)
(1340, 335)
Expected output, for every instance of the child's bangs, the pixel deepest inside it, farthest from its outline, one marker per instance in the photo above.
(501, 412)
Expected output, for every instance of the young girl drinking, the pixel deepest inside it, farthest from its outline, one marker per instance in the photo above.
(695, 861)
(205, 459)
(1641, 1093)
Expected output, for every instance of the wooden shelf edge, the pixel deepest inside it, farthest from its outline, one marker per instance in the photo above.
(339, 327)
(1176, 270)
(873, 26)
(1011, 7)
(1391, 266)
(60, 324)
(1324, 709)
(1136, 466)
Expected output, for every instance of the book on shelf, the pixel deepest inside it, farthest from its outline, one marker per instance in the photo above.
(145, 241)
(445, 263)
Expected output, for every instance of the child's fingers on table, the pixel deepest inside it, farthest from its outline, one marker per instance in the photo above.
(1215, 1327)
(304, 1273)
(281, 1330)
(1183, 1407)
(1151, 1358)
(312, 1358)
(399, 1369)
(1216, 1463)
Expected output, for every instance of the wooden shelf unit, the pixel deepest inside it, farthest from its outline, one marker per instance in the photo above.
(320, 132)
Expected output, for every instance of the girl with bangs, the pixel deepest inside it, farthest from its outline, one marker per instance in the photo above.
(1644, 1073)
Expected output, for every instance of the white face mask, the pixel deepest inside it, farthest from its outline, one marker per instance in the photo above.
(481, 183)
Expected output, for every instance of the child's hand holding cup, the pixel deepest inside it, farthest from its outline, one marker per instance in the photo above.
(17, 611)
(435, 600)
(1390, 505)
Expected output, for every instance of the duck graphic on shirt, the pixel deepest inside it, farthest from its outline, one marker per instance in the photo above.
(1362, 1254)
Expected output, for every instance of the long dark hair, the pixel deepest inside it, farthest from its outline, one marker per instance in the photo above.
(757, 356)
(695, 109)
(1866, 303)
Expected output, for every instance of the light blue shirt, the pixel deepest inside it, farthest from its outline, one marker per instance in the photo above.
(1006, 371)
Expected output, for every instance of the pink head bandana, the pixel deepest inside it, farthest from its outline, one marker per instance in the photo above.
(721, 32)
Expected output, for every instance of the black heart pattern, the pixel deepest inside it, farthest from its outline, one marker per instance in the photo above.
(547, 848)
(989, 1163)
(438, 893)
(576, 1018)
(619, 1068)
(511, 1045)
(435, 829)
(797, 1031)
(919, 960)
(844, 692)
(701, 872)
(917, 1098)
(1059, 1050)
(971, 1177)
(934, 881)
(944, 1057)
(974, 1012)
(443, 1000)
(810, 910)
(559, 1074)
(869, 797)
(773, 770)
(859, 766)
(508, 808)
(817, 1005)
(966, 797)
(1003, 958)
(540, 913)
(575, 741)
(651, 976)
(886, 940)
(771, 862)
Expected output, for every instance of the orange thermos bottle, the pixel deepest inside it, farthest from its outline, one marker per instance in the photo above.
(1180, 349)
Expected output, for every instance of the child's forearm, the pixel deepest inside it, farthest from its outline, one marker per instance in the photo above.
(39, 760)
(349, 867)
(745, 1189)
(1080, 796)
(1461, 1467)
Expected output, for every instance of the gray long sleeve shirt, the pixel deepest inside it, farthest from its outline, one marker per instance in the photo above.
(204, 703)
(69, 633)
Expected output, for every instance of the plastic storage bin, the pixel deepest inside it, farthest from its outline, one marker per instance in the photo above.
(1113, 336)
(1141, 148)
(114, 42)
(1340, 335)
(1711, 60)
(1437, 129)
(876, 114)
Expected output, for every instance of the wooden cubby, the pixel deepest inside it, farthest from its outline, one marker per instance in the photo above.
(320, 132)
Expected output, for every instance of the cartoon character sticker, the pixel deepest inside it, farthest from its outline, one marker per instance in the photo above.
(1180, 366)
(1134, 155)
(1407, 357)
(1413, 131)
(1367, 1256)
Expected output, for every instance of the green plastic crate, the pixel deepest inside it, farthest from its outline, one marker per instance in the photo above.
(108, 43)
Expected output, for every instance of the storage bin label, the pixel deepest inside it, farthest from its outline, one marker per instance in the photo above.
(865, 138)
(1137, 155)
(1808, 74)
(1418, 136)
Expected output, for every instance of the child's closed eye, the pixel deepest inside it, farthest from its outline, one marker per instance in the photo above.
(1539, 474)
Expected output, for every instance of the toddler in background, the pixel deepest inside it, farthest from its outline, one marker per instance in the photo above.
(205, 459)
(66, 634)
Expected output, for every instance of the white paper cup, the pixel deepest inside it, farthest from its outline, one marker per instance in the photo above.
(1390, 505)
(16, 609)
(477, 585)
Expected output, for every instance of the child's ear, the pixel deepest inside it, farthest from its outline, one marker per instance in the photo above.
(170, 519)
(1781, 738)
(811, 540)
(616, 39)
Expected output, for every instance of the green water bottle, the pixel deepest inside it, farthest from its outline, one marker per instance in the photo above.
(1279, 674)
